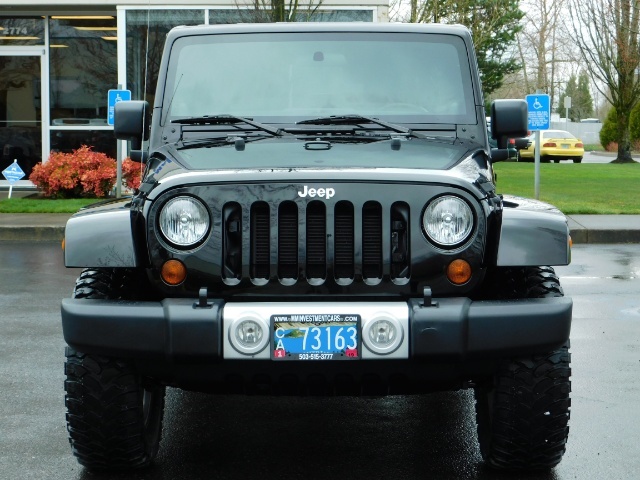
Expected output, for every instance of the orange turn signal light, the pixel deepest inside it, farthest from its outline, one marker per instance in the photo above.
(459, 272)
(173, 272)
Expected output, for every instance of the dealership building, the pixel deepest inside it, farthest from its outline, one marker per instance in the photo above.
(59, 59)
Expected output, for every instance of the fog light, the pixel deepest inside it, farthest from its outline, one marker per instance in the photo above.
(248, 335)
(383, 335)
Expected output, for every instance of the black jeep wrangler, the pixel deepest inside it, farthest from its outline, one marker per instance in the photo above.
(318, 214)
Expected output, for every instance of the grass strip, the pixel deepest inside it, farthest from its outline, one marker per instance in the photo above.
(43, 205)
(585, 188)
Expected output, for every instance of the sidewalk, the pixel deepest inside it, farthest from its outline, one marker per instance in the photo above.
(584, 228)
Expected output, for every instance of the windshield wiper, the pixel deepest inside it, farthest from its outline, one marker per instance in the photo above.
(229, 120)
(355, 120)
(238, 140)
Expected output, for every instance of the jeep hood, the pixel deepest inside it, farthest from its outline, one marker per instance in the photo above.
(284, 153)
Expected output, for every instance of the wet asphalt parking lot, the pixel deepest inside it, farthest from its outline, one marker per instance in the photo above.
(231, 437)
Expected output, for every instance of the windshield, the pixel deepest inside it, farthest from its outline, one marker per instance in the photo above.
(288, 77)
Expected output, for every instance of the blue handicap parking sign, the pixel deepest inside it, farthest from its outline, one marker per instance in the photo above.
(114, 97)
(13, 172)
(538, 111)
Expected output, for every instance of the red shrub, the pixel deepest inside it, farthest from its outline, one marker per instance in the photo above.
(131, 173)
(82, 173)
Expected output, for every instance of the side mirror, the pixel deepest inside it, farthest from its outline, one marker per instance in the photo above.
(131, 122)
(508, 120)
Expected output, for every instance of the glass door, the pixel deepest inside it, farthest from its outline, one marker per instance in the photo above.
(20, 108)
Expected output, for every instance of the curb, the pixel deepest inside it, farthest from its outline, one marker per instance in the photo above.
(31, 234)
(582, 236)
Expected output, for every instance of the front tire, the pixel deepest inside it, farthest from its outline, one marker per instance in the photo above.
(522, 415)
(114, 415)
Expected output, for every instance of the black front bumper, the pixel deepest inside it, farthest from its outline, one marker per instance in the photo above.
(453, 330)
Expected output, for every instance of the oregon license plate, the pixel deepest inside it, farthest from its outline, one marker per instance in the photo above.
(565, 145)
(315, 337)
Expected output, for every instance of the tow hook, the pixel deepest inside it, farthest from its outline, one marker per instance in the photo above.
(202, 299)
(427, 300)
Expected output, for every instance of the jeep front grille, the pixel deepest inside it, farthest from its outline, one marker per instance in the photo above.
(316, 242)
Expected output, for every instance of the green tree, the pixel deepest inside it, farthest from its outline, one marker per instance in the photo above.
(494, 25)
(581, 100)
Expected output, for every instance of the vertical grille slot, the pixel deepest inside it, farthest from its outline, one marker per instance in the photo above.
(316, 240)
(232, 241)
(288, 240)
(344, 240)
(372, 240)
(260, 244)
(400, 258)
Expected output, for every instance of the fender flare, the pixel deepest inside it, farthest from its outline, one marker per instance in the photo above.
(101, 236)
(533, 233)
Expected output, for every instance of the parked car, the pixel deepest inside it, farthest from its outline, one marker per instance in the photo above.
(556, 145)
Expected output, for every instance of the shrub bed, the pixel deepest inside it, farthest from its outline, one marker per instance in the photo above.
(82, 173)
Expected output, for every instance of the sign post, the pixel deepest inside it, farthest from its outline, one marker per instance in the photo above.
(538, 118)
(115, 96)
(567, 106)
(13, 173)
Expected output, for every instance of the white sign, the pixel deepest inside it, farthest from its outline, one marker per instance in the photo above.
(13, 172)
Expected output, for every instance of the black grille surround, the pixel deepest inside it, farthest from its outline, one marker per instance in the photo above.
(367, 239)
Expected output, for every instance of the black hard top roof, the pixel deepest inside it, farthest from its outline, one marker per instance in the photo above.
(181, 31)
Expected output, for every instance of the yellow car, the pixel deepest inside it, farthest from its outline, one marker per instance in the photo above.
(556, 145)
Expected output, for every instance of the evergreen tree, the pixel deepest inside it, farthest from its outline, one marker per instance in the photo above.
(581, 100)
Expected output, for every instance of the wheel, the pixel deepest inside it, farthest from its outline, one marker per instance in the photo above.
(522, 415)
(114, 415)
(577, 160)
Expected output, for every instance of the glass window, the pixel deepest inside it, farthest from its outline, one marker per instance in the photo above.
(338, 16)
(303, 14)
(83, 67)
(68, 140)
(20, 115)
(155, 23)
(305, 75)
(21, 31)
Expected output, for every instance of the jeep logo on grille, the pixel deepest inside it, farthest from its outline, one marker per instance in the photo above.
(327, 193)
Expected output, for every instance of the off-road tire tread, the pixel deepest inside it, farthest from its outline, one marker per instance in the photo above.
(104, 396)
(526, 426)
(109, 283)
(104, 413)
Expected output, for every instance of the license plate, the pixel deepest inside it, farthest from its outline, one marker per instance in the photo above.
(565, 145)
(315, 337)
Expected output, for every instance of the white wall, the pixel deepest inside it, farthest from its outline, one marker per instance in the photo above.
(587, 132)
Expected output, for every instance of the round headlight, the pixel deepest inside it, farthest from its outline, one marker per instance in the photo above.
(184, 221)
(448, 220)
